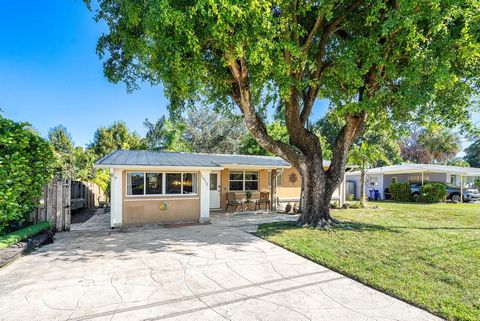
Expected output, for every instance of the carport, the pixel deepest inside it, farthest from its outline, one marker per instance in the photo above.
(461, 176)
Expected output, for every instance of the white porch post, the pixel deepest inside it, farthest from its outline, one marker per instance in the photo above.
(343, 190)
(461, 188)
(204, 197)
(116, 192)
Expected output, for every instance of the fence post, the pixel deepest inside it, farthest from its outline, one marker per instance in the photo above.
(59, 209)
(66, 203)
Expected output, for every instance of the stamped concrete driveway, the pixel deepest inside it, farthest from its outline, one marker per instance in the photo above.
(213, 272)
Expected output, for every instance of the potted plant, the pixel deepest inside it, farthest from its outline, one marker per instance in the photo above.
(288, 208)
(248, 196)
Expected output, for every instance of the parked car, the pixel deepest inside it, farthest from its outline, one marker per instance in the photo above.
(453, 192)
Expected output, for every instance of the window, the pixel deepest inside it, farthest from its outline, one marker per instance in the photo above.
(453, 179)
(279, 179)
(213, 181)
(394, 180)
(135, 183)
(243, 181)
(189, 183)
(418, 178)
(173, 183)
(154, 183)
(251, 181)
(414, 179)
(236, 181)
(139, 183)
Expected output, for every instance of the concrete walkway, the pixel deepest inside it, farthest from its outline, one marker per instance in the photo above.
(209, 272)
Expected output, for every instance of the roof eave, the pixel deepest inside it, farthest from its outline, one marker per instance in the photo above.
(156, 167)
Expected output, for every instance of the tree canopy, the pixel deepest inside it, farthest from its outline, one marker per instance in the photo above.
(432, 144)
(472, 154)
(393, 61)
(116, 136)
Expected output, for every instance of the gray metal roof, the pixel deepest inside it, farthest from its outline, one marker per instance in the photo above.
(160, 158)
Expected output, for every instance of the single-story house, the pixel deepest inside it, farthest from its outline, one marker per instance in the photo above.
(154, 187)
(380, 178)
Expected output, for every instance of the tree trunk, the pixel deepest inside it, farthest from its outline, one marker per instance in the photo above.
(318, 188)
(362, 188)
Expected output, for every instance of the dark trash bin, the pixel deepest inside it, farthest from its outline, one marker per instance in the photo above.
(374, 195)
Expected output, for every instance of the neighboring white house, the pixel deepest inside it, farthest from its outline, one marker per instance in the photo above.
(380, 178)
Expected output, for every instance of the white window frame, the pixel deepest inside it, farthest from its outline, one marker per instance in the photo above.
(164, 184)
(243, 180)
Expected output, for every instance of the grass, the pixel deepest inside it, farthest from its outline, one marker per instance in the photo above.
(428, 255)
(22, 234)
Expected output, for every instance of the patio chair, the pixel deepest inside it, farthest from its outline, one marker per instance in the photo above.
(233, 201)
(264, 199)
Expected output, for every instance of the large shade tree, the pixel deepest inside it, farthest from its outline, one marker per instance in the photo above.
(391, 60)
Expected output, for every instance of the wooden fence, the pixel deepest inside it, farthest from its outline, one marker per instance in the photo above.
(55, 205)
(56, 202)
(87, 195)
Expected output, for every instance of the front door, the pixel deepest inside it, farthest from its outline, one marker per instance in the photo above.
(215, 190)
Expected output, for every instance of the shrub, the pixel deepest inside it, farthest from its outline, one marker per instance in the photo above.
(356, 205)
(350, 197)
(25, 166)
(400, 192)
(432, 193)
(477, 183)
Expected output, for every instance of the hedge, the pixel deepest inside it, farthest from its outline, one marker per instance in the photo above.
(25, 166)
(432, 193)
(24, 233)
(400, 192)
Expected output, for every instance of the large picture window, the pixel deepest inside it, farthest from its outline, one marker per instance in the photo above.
(141, 183)
(243, 181)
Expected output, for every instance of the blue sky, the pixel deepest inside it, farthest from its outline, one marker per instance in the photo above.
(51, 75)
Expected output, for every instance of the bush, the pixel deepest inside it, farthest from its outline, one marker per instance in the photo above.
(432, 193)
(400, 192)
(25, 166)
(477, 182)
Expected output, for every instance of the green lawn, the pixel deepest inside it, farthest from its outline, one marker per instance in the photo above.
(428, 255)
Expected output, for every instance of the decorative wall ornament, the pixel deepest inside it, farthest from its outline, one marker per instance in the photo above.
(163, 206)
(292, 178)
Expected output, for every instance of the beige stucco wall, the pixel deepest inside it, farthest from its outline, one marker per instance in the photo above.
(291, 185)
(139, 210)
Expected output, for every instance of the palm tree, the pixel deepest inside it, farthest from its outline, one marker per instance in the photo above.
(440, 143)
(365, 156)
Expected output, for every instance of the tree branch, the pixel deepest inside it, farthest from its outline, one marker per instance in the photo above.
(242, 97)
(312, 91)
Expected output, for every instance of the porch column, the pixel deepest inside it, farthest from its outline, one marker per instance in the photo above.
(204, 197)
(116, 195)
(273, 190)
(461, 188)
(343, 190)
